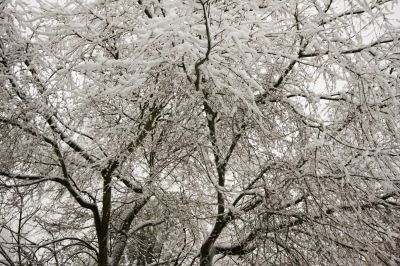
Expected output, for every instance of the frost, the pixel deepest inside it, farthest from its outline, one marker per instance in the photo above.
(176, 132)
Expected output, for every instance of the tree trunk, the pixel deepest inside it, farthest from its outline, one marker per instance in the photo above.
(105, 221)
(206, 257)
(103, 252)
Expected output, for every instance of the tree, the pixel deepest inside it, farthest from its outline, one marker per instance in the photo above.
(200, 132)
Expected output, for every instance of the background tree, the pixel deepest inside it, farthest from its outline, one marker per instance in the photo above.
(200, 132)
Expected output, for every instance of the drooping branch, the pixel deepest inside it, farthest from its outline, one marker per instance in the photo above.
(78, 240)
(354, 50)
(62, 181)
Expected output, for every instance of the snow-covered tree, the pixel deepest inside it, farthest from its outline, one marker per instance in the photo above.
(194, 132)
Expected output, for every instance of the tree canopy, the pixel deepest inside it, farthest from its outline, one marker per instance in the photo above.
(199, 132)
